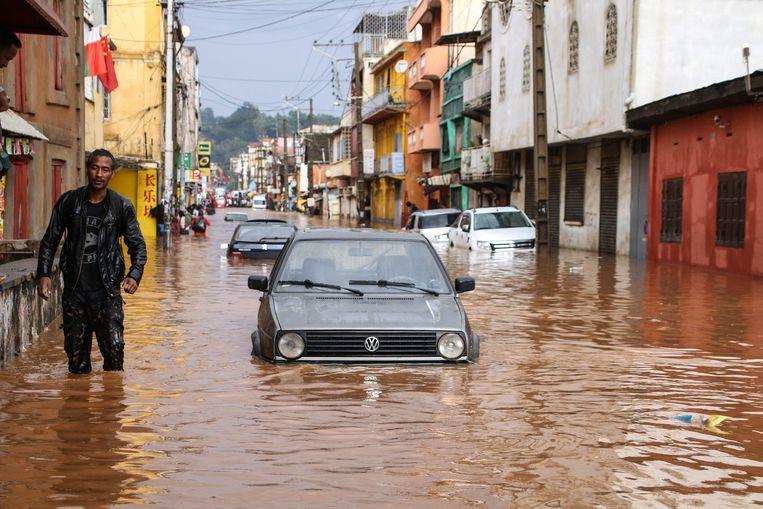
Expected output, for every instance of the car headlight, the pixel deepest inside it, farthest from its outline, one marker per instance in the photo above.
(291, 345)
(442, 236)
(450, 346)
(483, 245)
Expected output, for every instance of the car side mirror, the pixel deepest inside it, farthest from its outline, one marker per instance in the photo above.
(258, 282)
(464, 284)
(465, 228)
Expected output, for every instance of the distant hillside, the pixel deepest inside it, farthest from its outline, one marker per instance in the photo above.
(230, 135)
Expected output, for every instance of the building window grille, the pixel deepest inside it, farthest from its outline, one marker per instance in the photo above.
(502, 80)
(610, 43)
(672, 210)
(106, 105)
(574, 41)
(730, 218)
(504, 9)
(526, 70)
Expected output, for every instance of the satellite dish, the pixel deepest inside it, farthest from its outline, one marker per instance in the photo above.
(401, 66)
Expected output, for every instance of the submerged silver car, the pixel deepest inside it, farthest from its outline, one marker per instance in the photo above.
(361, 295)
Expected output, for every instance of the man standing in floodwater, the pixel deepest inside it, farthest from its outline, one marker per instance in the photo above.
(93, 218)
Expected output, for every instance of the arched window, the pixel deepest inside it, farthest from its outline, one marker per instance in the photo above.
(572, 65)
(504, 9)
(610, 43)
(502, 80)
(526, 70)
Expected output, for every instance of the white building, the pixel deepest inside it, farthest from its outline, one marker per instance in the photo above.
(604, 57)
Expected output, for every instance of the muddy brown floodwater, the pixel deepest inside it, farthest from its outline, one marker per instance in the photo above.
(585, 362)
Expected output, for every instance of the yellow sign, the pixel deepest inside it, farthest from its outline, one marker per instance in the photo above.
(205, 172)
(205, 148)
(146, 198)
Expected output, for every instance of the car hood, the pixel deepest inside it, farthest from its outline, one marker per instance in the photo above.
(431, 233)
(324, 311)
(500, 234)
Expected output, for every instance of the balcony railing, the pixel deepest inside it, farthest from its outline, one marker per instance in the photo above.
(340, 168)
(476, 163)
(477, 88)
(425, 138)
(431, 66)
(390, 164)
(388, 99)
(372, 44)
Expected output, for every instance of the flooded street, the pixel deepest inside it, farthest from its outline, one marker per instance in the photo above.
(585, 361)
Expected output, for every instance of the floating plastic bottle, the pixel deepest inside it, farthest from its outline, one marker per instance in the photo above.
(708, 422)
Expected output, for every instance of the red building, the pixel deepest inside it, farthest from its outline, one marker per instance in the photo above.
(706, 175)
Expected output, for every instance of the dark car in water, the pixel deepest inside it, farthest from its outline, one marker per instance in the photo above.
(361, 295)
(259, 239)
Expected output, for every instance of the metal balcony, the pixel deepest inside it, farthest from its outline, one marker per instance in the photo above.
(477, 164)
(477, 94)
(383, 105)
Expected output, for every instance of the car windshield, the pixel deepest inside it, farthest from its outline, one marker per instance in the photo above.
(495, 220)
(256, 233)
(438, 220)
(338, 262)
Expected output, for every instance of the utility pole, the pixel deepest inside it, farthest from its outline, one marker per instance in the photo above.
(540, 151)
(308, 152)
(169, 145)
(284, 169)
(356, 100)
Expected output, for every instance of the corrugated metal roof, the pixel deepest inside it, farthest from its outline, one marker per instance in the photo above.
(14, 125)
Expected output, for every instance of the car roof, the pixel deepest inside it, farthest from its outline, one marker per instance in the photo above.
(436, 212)
(355, 234)
(485, 210)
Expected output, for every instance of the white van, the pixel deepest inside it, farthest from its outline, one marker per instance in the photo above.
(259, 202)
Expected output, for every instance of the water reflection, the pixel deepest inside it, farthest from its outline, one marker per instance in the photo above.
(585, 361)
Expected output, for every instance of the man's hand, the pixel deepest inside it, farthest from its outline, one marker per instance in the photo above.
(43, 287)
(5, 102)
(129, 285)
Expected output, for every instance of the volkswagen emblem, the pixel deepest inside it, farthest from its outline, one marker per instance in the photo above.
(371, 343)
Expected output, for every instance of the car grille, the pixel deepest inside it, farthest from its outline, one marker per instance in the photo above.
(391, 344)
(530, 243)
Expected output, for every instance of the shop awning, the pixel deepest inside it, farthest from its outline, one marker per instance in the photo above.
(458, 38)
(14, 125)
(31, 17)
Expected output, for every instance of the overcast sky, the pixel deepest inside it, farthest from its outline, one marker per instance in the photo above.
(262, 65)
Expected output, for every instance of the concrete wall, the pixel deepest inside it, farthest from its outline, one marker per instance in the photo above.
(583, 104)
(697, 150)
(683, 46)
(58, 114)
(23, 314)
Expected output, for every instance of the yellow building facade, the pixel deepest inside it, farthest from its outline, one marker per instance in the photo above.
(386, 112)
(134, 112)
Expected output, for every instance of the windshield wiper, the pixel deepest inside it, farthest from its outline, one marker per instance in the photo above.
(394, 284)
(310, 284)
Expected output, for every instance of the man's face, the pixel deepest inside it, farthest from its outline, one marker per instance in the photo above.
(99, 172)
(7, 54)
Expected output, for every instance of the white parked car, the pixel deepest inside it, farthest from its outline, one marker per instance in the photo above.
(492, 228)
(259, 202)
(433, 224)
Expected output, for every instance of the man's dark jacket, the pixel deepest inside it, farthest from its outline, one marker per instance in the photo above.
(70, 216)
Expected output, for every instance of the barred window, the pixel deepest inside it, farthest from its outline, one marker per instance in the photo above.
(672, 210)
(574, 41)
(730, 218)
(610, 43)
(502, 80)
(526, 70)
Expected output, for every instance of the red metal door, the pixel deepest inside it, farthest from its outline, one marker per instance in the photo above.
(20, 213)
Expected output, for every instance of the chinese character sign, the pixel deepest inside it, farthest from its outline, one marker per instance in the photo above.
(146, 200)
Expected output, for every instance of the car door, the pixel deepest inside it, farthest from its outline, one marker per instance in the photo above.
(462, 232)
